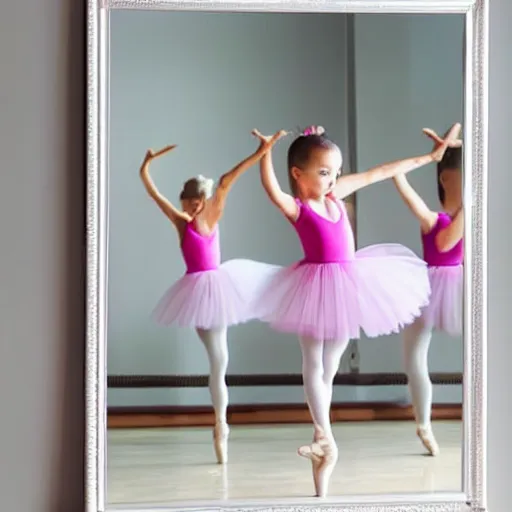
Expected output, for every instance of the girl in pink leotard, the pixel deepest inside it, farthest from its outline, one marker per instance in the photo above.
(334, 292)
(443, 251)
(211, 296)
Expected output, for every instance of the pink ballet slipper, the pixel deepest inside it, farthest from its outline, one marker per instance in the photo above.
(314, 454)
(323, 455)
(428, 440)
(220, 442)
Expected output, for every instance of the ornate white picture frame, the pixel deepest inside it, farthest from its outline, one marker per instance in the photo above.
(473, 495)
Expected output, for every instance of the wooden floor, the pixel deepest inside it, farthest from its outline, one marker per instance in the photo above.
(166, 466)
(258, 414)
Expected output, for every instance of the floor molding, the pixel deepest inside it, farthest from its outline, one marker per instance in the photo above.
(189, 416)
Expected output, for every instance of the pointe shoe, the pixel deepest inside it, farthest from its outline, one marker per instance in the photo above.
(326, 467)
(323, 455)
(428, 440)
(312, 451)
(220, 442)
(314, 454)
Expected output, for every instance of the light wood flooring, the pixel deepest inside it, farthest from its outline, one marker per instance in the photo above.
(176, 465)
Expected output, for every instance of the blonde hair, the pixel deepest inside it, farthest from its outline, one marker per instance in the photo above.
(197, 188)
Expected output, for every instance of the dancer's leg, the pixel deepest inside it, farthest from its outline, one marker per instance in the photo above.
(332, 354)
(416, 343)
(317, 394)
(215, 342)
(320, 364)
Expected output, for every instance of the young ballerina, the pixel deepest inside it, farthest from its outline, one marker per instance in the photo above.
(211, 296)
(443, 251)
(334, 292)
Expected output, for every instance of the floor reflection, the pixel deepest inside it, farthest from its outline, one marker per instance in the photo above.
(176, 465)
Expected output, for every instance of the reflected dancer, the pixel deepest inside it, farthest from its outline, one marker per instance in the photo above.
(211, 296)
(443, 251)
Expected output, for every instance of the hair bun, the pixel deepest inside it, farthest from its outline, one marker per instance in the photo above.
(208, 182)
(205, 185)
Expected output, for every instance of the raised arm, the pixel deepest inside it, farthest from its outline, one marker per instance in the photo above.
(173, 214)
(285, 202)
(215, 205)
(350, 183)
(451, 235)
(426, 217)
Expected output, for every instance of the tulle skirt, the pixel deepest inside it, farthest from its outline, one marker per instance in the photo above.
(215, 298)
(383, 289)
(445, 309)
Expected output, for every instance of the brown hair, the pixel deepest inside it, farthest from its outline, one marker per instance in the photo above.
(451, 161)
(300, 150)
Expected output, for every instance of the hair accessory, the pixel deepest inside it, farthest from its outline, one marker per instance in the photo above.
(208, 182)
(313, 130)
(205, 185)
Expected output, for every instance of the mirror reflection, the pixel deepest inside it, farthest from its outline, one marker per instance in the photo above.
(285, 279)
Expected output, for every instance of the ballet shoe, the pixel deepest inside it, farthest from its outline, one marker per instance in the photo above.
(326, 467)
(311, 451)
(323, 455)
(314, 454)
(220, 442)
(428, 440)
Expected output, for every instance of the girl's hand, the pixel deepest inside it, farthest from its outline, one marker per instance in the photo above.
(441, 145)
(268, 141)
(151, 155)
(455, 143)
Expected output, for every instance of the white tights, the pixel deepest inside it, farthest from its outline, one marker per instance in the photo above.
(320, 363)
(416, 338)
(216, 344)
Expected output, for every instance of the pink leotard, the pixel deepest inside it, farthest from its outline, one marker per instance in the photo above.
(323, 240)
(435, 258)
(200, 252)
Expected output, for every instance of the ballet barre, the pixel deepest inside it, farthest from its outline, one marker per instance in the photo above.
(265, 380)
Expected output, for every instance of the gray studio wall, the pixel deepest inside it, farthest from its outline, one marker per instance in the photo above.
(168, 86)
(408, 75)
(42, 306)
(204, 81)
(42, 223)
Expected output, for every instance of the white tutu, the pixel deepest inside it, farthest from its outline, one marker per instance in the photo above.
(217, 298)
(380, 291)
(446, 306)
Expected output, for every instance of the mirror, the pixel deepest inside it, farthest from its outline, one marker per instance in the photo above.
(210, 394)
